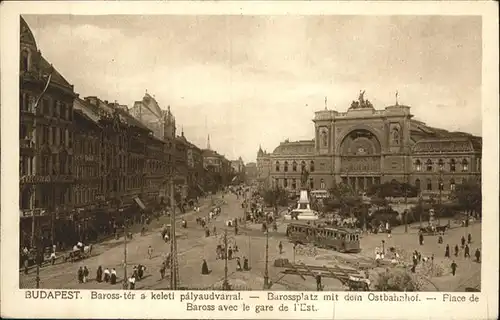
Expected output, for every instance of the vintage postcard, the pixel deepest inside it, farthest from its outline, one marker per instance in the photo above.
(270, 160)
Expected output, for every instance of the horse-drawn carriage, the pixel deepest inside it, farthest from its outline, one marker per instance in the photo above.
(78, 253)
(433, 230)
(356, 283)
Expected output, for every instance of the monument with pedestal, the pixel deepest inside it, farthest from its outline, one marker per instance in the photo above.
(303, 210)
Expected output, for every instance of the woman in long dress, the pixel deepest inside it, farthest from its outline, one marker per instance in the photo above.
(204, 267)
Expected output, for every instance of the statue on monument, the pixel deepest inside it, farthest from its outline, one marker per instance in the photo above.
(361, 98)
(303, 178)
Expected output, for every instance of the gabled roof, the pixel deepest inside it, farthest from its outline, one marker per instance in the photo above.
(46, 68)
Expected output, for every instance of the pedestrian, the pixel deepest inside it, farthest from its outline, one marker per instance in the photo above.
(466, 251)
(447, 251)
(478, 255)
(26, 265)
(204, 267)
(235, 230)
(80, 274)
(421, 238)
(53, 258)
(463, 241)
(238, 264)
(131, 283)
(140, 271)
(440, 239)
(113, 276)
(469, 238)
(98, 277)
(419, 255)
(85, 274)
(280, 246)
(150, 252)
(319, 286)
(456, 250)
(162, 270)
(245, 264)
(453, 268)
(230, 253)
(106, 275)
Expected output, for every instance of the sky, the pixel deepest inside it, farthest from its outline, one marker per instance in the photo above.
(257, 80)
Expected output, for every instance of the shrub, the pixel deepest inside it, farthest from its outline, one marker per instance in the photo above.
(396, 280)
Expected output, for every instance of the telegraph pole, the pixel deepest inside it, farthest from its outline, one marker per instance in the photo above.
(225, 284)
(407, 184)
(173, 240)
(125, 278)
(266, 271)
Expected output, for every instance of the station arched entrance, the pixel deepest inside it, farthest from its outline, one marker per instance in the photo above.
(360, 159)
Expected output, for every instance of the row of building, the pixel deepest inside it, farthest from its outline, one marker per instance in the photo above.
(364, 146)
(86, 163)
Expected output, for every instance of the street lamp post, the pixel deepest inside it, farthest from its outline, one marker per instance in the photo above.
(440, 194)
(266, 270)
(225, 284)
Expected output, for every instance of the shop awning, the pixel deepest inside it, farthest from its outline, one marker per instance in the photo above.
(139, 203)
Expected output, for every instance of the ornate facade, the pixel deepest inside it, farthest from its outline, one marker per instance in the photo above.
(45, 141)
(365, 146)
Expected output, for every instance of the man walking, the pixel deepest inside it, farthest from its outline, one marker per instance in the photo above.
(453, 268)
(150, 252)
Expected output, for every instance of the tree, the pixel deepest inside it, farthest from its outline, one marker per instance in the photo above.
(275, 197)
(468, 195)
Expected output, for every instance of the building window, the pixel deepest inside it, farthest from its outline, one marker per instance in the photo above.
(311, 183)
(285, 168)
(429, 185)
(25, 60)
(294, 184)
(322, 184)
(441, 164)
(465, 165)
(428, 165)
(277, 166)
(312, 166)
(417, 184)
(464, 180)
(418, 166)
(452, 184)
(452, 165)
(285, 183)
(294, 166)
(441, 184)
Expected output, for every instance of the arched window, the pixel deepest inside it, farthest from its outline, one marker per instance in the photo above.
(294, 166)
(294, 183)
(452, 184)
(417, 184)
(303, 165)
(25, 60)
(311, 183)
(452, 165)
(465, 165)
(440, 184)
(285, 168)
(322, 184)
(312, 166)
(418, 165)
(441, 164)
(429, 184)
(285, 183)
(277, 166)
(428, 165)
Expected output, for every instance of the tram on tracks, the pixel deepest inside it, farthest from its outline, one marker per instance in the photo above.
(339, 239)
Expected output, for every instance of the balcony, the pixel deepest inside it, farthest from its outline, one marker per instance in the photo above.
(26, 146)
(36, 179)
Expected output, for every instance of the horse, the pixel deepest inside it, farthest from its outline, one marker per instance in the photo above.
(87, 250)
